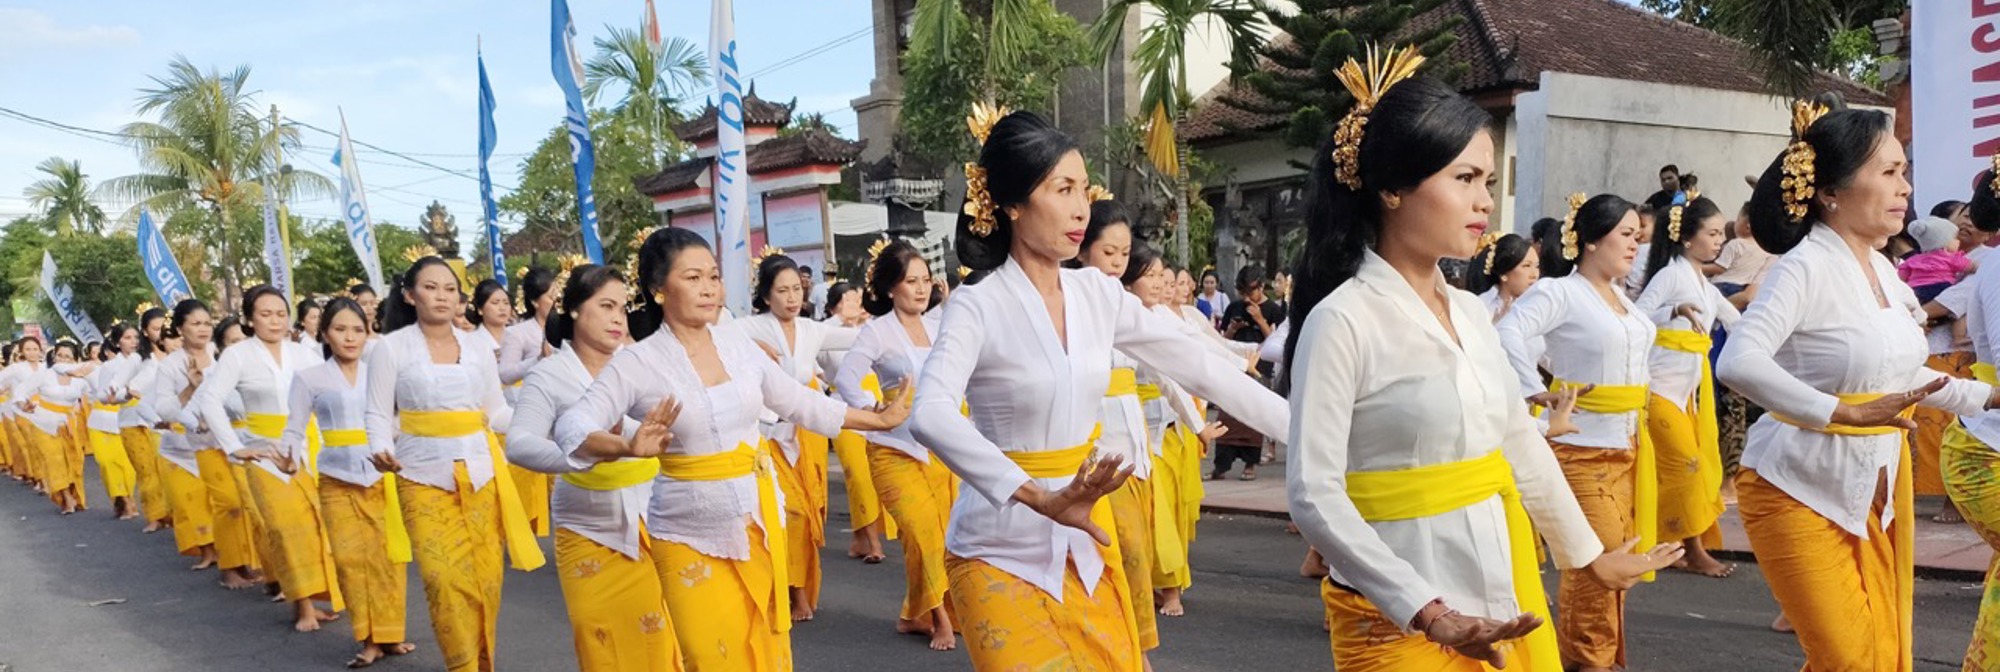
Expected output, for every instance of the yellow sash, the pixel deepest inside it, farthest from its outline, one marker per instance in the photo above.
(1420, 492)
(1707, 434)
(1124, 382)
(1645, 475)
(392, 504)
(1148, 392)
(1906, 501)
(615, 475)
(746, 460)
(53, 407)
(1066, 462)
(1056, 463)
(105, 408)
(522, 551)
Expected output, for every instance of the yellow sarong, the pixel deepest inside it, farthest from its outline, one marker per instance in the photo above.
(1430, 490)
(194, 524)
(805, 488)
(747, 460)
(618, 616)
(1690, 474)
(1927, 476)
(1838, 611)
(142, 445)
(735, 628)
(864, 508)
(298, 555)
(919, 496)
(522, 550)
(1012, 624)
(114, 466)
(1645, 477)
(1177, 494)
(457, 539)
(376, 587)
(1971, 473)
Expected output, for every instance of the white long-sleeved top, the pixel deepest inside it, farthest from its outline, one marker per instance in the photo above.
(139, 384)
(1538, 347)
(1816, 330)
(9, 377)
(521, 349)
(402, 377)
(1982, 315)
(1379, 385)
(51, 387)
(609, 517)
(1587, 342)
(798, 358)
(322, 393)
(1675, 374)
(177, 447)
(1030, 389)
(708, 516)
(264, 383)
(107, 385)
(883, 347)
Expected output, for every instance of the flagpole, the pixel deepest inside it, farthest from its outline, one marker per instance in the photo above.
(284, 232)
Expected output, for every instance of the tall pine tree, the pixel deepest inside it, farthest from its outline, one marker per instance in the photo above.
(1319, 37)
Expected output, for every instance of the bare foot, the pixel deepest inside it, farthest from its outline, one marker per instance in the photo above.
(368, 655)
(1782, 624)
(325, 615)
(399, 649)
(308, 617)
(942, 636)
(909, 627)
(1698, 561)
(1950, 514)
(151, 527)
(1314, 566)
(1170, 602)
(237, 579)
(801, 611)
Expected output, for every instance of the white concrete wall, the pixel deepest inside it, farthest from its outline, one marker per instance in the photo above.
(1598, 135)
(1258, 160)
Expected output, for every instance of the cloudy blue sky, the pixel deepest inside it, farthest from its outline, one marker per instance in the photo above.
(402, 70)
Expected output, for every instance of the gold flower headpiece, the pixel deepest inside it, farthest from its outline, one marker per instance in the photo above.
(142, 308)
(1367, 83)
(978, 200)
(1799, 158)
(768, 252)
(964, 271)
(1486, 243)
(1674, 216)
(523, 273)
(348, 288)
(1098, 193)
(418, 251)
(570, 262)
(868, 275)
(1569, 249)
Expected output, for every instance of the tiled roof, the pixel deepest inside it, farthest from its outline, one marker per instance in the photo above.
(811, 146)
(1507, 44)
(756, 112)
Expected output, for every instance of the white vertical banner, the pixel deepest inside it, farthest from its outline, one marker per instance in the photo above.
(1954, 97)
(72, 314)
(274, 247)
(732, 181)
(354, 209)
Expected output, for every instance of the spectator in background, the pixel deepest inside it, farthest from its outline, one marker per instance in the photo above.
(1636, 280)
(1939, 263)
(1743, 262)
(1212, 301)
(1670, 187)
(1960, 216)
(1250, 319)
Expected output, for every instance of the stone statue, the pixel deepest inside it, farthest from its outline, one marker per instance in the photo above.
(441, 230)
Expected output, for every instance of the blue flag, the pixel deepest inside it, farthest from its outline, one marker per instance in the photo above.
(582, 154)
(161, 268)
(488, 137)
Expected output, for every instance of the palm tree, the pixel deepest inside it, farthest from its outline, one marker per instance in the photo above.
(1161, 59)
(1008, 25)
(814, 121)
(1796, 39)
(210, 150)
(655, 81)
(64, 197)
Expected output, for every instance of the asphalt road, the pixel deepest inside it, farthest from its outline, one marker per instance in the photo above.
(1248, 610)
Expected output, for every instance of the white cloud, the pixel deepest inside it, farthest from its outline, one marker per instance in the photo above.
(25, 29)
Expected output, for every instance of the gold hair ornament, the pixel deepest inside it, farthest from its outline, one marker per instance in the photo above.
(418, 251)
(632, 280)
(570, 262)
(1486, 246)
(978, 200)
(143, 307)
(1798, 163)
(1367, 83)
(1995, 184)
(1674, 216)
(1098, 193)
(1569, 248)
(868, 275)
(768, 252)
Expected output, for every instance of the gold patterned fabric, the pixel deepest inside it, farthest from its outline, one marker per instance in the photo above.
(1591, 629)
(376, 589)
(234, 546)
(1927, 476)
(804, 485)
(1972, 478)
(114, 467)
(1365, 641)
(618, 617)
(1177, 493)
(726, 619)
(194, 525)
(456, 538)
(919, 496)
(1010, 624)
(1690, 476)
(1838, 590)
(297, 553)
(142, 445)
(1132, 514)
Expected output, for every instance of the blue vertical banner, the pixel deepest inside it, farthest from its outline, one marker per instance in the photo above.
(489, 136)
(568, 70)
(732, 182)
(66, 305)
(158, 260)
(274, 246)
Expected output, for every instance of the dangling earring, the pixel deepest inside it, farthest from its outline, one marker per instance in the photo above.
(1393, 200)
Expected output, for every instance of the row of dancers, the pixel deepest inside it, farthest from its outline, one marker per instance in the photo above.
(1035, 439)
